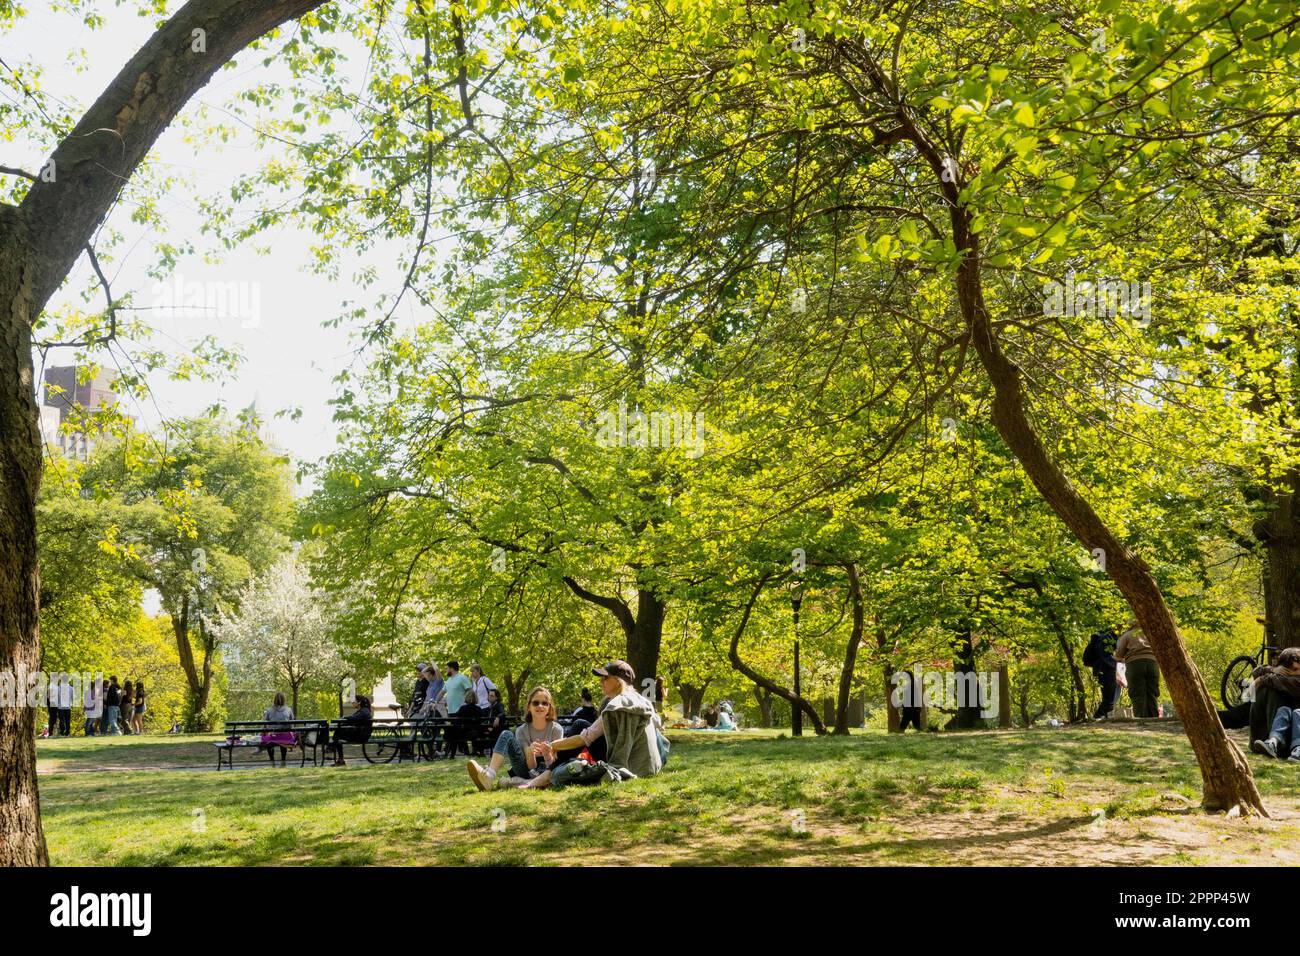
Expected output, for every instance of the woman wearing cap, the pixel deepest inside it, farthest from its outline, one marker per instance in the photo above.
(626, 726)
(521, 748)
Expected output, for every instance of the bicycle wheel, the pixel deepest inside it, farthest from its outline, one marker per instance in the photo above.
(1234, 677)
(381, 750)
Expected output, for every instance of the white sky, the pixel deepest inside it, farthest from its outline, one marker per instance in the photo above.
(290, 358)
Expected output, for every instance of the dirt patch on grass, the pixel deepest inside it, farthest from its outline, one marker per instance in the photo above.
(1009, 831)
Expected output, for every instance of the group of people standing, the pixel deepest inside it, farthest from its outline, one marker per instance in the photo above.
(456, 695)
(1123, 662)
(110, 709)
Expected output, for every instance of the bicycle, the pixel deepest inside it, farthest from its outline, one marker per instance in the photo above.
(1239, 669)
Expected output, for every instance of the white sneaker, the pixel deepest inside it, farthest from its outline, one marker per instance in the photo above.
(511, 782)
(1267, 746)
(484, 778)
(1295, 755)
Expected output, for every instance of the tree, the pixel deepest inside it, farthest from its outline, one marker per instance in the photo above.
(41, 238)
(280, 629)
(930, 143)
(202, 508)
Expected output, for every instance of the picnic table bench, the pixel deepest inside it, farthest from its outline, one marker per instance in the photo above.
(422, 738)
(307, 734)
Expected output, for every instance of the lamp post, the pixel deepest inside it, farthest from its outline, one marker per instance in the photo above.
(796, 715)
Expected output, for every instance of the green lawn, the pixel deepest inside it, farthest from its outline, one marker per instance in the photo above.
(1013, 797)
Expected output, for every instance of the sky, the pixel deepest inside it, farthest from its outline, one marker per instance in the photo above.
(274, 309)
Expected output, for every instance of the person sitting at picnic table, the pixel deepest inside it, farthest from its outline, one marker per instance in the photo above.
(1277, 706)
(496, 711)
(625, 735)
(278, 736)
(587, 711)
(523, 748)
(353, 729)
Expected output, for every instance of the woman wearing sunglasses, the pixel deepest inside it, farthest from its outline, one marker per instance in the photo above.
(524, 749)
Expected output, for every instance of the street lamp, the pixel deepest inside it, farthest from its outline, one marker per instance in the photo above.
(796, 715)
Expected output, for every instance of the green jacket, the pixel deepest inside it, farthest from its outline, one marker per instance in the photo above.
(630, 740)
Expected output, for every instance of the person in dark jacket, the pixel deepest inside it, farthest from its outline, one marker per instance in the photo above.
(112, 705)
(420, 690)
(908, 703)
(1277, 704)
(588, 710)
(353, 729)
(1099, 655)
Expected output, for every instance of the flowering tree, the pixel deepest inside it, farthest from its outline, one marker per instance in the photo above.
(281, 631)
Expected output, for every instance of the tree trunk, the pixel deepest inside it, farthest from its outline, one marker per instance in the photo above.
(644, 630)
(733, 654)
(22, 842)
(1279, 532)
(968, 711)
(893, 717)
(851, 654)
(40, 241)
(692, 698)
(515, 689)
(764, 698)
(1226, 778)
(1004, 697)
(1078, 704)
(645, 638)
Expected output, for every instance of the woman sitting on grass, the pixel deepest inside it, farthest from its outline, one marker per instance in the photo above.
(625, 735)
(524, 748)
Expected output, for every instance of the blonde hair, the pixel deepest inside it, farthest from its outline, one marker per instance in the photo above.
(551, 715)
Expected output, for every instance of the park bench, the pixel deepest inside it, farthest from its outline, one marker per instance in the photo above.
(308, 734)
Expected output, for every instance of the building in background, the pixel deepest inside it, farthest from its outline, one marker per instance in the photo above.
(65, 398)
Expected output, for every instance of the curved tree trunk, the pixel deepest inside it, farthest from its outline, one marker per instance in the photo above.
(1226, 778)
(40, 241)
(644, 630)
(733, 654)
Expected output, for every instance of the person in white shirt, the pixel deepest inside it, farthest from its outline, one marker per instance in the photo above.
(67, 697)
(482, 686)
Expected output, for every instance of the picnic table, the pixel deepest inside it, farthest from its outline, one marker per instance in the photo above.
(306, 734)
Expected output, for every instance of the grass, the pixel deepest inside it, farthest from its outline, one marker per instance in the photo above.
(1085, 795)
